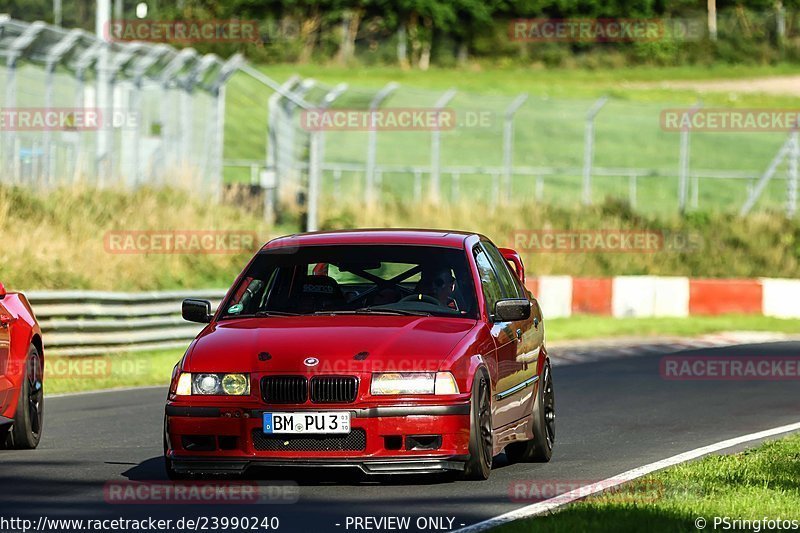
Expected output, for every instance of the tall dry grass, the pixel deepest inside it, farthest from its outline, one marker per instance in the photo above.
(699, 245)
(56, 239)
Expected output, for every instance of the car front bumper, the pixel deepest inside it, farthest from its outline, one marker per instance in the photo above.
(396, 440)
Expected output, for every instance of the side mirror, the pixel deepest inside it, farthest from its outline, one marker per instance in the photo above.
(195, 310)
(2, 291)
(512, 309)
(513, 257)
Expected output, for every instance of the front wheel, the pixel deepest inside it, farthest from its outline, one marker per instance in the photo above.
(481, 440)
(540, 448)
(26, 432)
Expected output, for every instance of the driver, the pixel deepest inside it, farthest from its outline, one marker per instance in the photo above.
(437, 281)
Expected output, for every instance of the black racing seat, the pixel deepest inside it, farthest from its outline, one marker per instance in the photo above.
(318, 293)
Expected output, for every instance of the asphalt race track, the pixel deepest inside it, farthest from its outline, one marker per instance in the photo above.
(612, 416)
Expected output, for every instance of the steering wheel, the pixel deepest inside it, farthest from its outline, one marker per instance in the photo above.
(421, 298)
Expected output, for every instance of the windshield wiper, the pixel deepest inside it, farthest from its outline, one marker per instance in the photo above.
(388, 311)
(372, 311)
(275, 313)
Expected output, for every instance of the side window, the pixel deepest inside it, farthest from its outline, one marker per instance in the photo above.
(492, 291)
(507, 279)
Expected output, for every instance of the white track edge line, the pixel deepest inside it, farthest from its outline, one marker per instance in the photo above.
(630, 475)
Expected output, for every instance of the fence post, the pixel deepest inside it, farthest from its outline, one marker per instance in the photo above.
(53, 58)
(436, 145)
(372, 141)
(683, 170)
(417, 185)
(313, 182)
(508, 141)
(337, 183)
(315, 156)
(9, 152)
(273, 177)
(588, 149)
(794, 160)
(15, 51)
(632, 190)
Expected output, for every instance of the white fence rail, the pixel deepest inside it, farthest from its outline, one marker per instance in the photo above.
(93, 322)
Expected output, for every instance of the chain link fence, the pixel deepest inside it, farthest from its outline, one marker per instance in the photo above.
(162, 121)
(497, 148)
(79, 109)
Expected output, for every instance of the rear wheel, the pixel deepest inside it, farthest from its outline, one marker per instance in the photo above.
(540, 448)
(26, 432)
(481, 440)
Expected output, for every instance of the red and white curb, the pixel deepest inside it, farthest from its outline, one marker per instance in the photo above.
(589, 351)
(659, 296)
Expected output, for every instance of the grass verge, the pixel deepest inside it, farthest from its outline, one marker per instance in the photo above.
(590, 327)
(78, 374)
(109, 371)
(758, 483)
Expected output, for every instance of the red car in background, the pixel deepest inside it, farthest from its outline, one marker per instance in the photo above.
(21, 373)
(393, 351)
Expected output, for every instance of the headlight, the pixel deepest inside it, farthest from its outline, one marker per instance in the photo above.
(236, 384)
(213, 385)
(389, 383)
(206, 384)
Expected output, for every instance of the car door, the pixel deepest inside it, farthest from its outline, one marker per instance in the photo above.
(514, 395)
(503, 334)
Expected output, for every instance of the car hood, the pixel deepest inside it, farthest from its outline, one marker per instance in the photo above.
(342, 344)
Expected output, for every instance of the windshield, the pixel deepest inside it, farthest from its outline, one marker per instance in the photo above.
(356, 279)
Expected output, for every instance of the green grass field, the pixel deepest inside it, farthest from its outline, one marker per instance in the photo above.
(751, 485)
(65, 374)
(548, 132)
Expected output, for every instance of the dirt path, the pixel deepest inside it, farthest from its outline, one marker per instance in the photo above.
(783, 85)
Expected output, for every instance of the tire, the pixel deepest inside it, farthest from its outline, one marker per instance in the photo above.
(26, 432)
(540, 448)
(479, 465)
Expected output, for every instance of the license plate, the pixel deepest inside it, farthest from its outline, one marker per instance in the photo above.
(307, 422)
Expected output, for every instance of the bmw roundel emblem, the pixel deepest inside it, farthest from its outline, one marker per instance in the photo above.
(311, 361)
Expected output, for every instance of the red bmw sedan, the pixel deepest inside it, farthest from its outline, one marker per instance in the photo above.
(392, 351)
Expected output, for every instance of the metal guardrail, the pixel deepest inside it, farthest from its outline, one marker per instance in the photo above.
(95, 322)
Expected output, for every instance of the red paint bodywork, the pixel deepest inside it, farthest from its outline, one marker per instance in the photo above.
(18, 330)
(395, 343)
